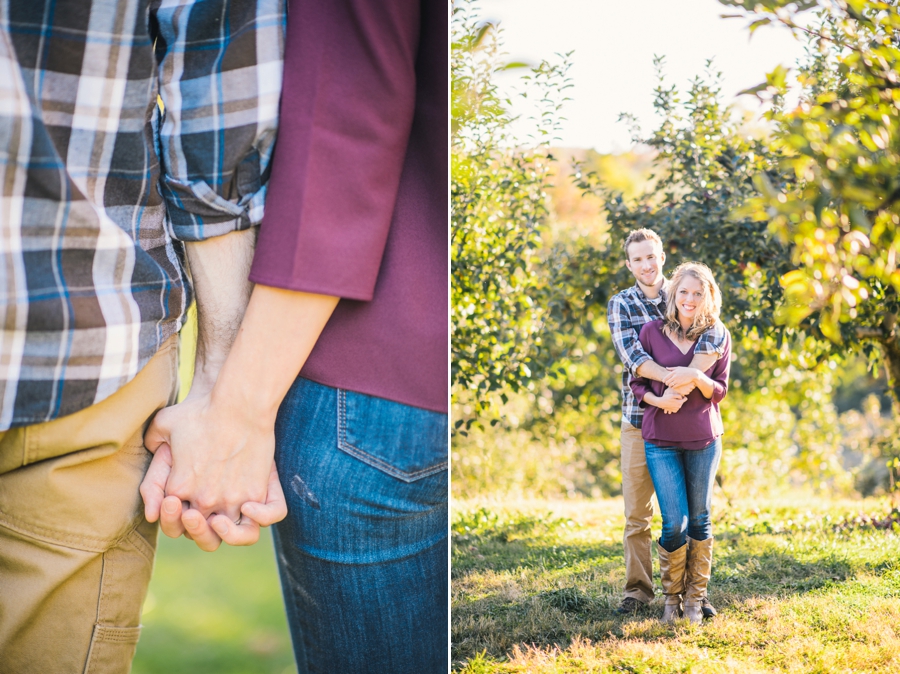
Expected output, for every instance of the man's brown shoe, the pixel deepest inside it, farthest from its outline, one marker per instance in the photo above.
(630, 606)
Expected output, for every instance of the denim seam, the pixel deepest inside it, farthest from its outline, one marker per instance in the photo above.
(374, 461)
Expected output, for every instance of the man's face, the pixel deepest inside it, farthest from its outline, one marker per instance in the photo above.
(645, 260)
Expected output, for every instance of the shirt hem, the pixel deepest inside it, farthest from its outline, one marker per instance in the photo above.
(313, 288)
(679, 444)
(376, 394)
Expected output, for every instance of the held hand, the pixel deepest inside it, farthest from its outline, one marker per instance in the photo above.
(208, 534)
(253, 516)
(176, 521)
(680, 377)
(220, 457)
(684, 389)
(671, 401)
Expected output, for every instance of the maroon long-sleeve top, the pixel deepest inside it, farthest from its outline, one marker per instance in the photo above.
(357, 204)
(699, 420)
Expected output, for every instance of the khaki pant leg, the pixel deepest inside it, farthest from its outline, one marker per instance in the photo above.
(637, 490)
(75, 550)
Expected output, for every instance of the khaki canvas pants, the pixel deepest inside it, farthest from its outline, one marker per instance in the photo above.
(75, 550)
(637, 490)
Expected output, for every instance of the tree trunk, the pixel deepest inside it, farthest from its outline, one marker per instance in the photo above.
(890, 349)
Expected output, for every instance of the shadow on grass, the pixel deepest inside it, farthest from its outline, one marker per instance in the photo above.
(476, 555)
(534, 590)
(773, 573)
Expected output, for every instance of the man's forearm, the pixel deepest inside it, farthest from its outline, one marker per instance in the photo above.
(685, 379)
(704, 361)
(700, 361)
(651, 370)
(219, 270)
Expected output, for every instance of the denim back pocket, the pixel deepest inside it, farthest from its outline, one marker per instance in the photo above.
(405, 442)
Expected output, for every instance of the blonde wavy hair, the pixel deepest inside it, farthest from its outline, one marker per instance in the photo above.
(708, 311)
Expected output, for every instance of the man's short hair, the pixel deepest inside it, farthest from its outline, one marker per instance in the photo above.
(643, 234)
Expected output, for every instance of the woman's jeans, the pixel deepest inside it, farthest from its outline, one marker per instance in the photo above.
(683, 480)
(363, 551)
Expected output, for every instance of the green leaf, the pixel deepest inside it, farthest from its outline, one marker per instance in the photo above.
(759, 23)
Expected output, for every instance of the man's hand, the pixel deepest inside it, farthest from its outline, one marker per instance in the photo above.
(682, 379)
(221, 456)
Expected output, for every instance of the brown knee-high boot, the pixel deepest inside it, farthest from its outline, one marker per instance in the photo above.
(671, 572)
(699, 569)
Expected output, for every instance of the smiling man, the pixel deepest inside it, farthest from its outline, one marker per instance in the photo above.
(628, 312)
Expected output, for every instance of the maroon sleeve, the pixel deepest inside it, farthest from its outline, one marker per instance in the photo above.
(640, 386)
(720, 372)
(346, 112)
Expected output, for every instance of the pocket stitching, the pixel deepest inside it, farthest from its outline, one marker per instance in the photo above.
(374, 461)
(117, 635)
(58, 536)
(110, 635)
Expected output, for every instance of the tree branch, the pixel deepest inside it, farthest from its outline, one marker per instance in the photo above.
(864, 332)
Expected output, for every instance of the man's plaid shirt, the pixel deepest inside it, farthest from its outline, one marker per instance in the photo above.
(101, 185)
(629, 311)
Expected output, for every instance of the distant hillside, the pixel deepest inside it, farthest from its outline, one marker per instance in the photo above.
(575, 213)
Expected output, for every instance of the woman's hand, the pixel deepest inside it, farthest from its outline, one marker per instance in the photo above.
(670, 401)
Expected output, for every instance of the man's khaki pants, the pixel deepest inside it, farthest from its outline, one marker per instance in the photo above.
(637, 490)
(75, 550)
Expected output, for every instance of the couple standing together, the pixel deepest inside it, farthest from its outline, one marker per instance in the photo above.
(117, 211)
(676, 356)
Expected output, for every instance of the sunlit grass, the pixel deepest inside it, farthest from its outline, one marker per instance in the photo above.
(535, 582)
(219, 612)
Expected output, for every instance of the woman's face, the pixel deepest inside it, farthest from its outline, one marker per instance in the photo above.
(689, 297)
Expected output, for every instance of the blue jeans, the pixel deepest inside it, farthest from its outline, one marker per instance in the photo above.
(683, 480)
(363, 554)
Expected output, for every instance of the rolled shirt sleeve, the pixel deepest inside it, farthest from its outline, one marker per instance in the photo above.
(220, 75)
(641, 386)
(625, 333)
(347, 110)
(722, 368)
(715, 340)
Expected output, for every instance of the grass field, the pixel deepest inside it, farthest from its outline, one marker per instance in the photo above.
(801, 584)
(218, 613)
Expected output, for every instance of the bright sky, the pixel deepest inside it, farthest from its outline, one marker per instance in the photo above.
(614, 43)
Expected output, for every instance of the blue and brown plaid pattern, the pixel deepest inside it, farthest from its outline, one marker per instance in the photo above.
(101, 184)
(629, 311)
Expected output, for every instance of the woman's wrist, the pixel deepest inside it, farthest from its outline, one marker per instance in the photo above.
(252, 397)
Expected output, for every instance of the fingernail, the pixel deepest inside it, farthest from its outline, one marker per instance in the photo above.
(191, 523)
(169, 507)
